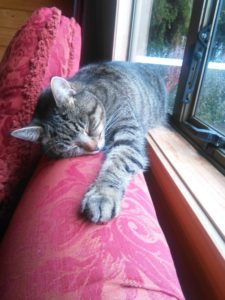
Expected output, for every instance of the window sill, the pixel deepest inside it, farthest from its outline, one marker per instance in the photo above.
(195, 192)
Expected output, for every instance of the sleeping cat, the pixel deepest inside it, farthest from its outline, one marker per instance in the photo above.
(105, 107)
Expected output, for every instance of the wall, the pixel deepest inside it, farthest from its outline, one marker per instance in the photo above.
(14, 13)
(97, 18)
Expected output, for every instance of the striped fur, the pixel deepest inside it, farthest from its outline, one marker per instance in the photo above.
(109, 107)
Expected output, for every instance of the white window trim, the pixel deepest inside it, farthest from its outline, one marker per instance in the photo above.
(126, 39)
(122, 29)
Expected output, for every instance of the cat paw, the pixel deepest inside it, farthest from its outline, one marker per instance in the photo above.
(100, 207)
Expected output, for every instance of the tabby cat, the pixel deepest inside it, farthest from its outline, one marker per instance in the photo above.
(105, 107)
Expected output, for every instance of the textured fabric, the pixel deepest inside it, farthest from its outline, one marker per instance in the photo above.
(48, 44)
(50, 252)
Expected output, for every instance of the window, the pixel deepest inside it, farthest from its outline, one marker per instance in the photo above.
(191, 59)
(185, 41)
(163, 43)
(202, 95)
(210, 107)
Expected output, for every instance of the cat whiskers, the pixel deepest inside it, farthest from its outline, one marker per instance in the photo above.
(111, 121)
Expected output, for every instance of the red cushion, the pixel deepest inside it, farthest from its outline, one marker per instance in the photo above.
(48, 44)
(50, 252)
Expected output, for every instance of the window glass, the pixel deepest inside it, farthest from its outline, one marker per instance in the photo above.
(211, 104)
(166, 39)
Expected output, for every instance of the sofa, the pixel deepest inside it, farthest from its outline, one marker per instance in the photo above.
(49, 251)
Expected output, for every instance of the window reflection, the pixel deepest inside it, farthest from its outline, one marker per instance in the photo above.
(166, 40)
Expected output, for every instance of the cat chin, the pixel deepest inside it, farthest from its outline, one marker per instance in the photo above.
(93, 152)
(73, 154)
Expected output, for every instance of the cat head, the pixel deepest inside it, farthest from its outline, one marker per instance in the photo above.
(67, 121)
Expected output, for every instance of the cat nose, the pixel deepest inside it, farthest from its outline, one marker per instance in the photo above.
(90, 146)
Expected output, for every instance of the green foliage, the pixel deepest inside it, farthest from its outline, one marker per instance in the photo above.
(169, 24)
(211, 104)
(219, 44)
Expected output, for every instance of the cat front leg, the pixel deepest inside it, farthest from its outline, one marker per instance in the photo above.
(103, 200)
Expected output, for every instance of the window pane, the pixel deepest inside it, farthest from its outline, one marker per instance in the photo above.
(211, 104)
(166, 39)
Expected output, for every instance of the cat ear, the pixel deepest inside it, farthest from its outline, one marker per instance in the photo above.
(62, 91)
(29, 133)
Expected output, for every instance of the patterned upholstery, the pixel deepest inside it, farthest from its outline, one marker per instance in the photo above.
(48, 44)
(51, 252)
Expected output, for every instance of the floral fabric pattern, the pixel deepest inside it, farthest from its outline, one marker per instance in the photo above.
(48, 44)
(51, 252)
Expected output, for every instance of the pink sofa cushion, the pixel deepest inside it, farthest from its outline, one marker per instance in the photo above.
(48, 44)
(51, 252)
